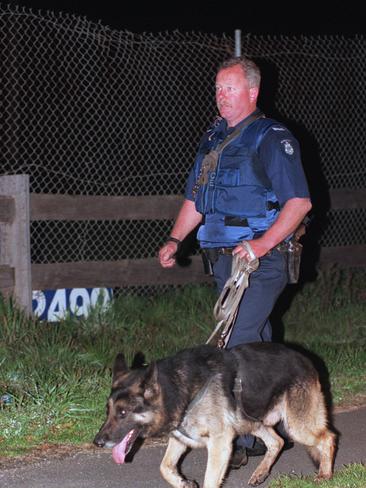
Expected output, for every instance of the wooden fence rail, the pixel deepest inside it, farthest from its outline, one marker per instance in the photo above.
(18, 207)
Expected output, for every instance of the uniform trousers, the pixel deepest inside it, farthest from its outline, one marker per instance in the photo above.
(252, 322)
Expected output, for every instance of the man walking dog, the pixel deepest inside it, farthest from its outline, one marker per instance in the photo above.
(247, 184)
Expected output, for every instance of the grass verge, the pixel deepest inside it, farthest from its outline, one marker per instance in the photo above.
(57, 377)
(351, 476)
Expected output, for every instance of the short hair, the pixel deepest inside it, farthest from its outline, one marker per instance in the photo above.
(250, 69)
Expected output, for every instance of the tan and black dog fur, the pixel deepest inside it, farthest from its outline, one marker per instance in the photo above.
(205, 397)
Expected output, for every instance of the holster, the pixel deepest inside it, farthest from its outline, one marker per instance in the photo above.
(294, 250)
(209, 258)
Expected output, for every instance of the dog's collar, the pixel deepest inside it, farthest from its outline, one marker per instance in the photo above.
(181, 432)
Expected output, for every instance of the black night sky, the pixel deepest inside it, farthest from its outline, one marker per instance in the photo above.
(275, 17)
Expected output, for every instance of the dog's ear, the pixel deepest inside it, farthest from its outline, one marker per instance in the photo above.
(151, 383)
(119, 367)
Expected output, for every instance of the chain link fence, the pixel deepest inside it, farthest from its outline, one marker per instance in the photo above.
(93, 111)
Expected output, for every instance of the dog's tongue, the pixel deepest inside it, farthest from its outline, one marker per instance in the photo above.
(119, 451)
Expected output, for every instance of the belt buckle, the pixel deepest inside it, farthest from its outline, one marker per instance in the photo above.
(226, 251)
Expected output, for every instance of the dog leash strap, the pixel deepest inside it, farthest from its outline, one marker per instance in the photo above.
(227, 305)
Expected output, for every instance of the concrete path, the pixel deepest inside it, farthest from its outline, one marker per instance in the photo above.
(97, 469)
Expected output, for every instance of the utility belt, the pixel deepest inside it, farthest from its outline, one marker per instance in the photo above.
(292, 250)
(211, 254)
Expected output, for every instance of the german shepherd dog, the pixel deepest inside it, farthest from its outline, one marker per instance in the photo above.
(205, 397)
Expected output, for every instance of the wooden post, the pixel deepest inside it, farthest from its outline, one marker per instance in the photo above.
(15, 238)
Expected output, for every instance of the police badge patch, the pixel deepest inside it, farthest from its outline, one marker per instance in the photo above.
(288, 147)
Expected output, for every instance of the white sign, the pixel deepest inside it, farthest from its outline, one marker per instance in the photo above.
(52, 305)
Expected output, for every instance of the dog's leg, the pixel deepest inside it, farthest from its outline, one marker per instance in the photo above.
(308, 424)
(323, 454)
(218, 457)
(274, 444)
(168, 467)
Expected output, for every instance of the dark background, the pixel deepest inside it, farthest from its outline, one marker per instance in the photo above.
(255, 17)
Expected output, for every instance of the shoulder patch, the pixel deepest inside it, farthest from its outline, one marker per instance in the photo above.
(287, 146)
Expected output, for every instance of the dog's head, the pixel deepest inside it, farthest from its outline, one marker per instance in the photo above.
(132, 408)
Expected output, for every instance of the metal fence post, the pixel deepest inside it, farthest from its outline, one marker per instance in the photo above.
(237, 42)
(15, 238)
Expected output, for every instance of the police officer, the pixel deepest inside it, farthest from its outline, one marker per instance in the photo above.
(247, 184)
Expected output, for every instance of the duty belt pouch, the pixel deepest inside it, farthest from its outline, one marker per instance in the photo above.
(294, 250)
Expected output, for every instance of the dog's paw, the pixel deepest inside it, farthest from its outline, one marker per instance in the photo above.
(258, 478)
(322, 477)
(189, 484)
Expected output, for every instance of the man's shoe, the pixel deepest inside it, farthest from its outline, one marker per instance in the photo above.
(240, 454)
(239, 458)
(259, 448)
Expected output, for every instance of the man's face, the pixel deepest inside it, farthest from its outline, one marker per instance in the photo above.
(234, 99)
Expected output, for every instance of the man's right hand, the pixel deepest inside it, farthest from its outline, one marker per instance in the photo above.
(167, 254)
(188, 218)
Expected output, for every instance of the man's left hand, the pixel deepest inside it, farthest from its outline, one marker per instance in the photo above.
(258, 248)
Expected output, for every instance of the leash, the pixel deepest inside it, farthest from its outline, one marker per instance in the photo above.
(226, 307)
(225, 311)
